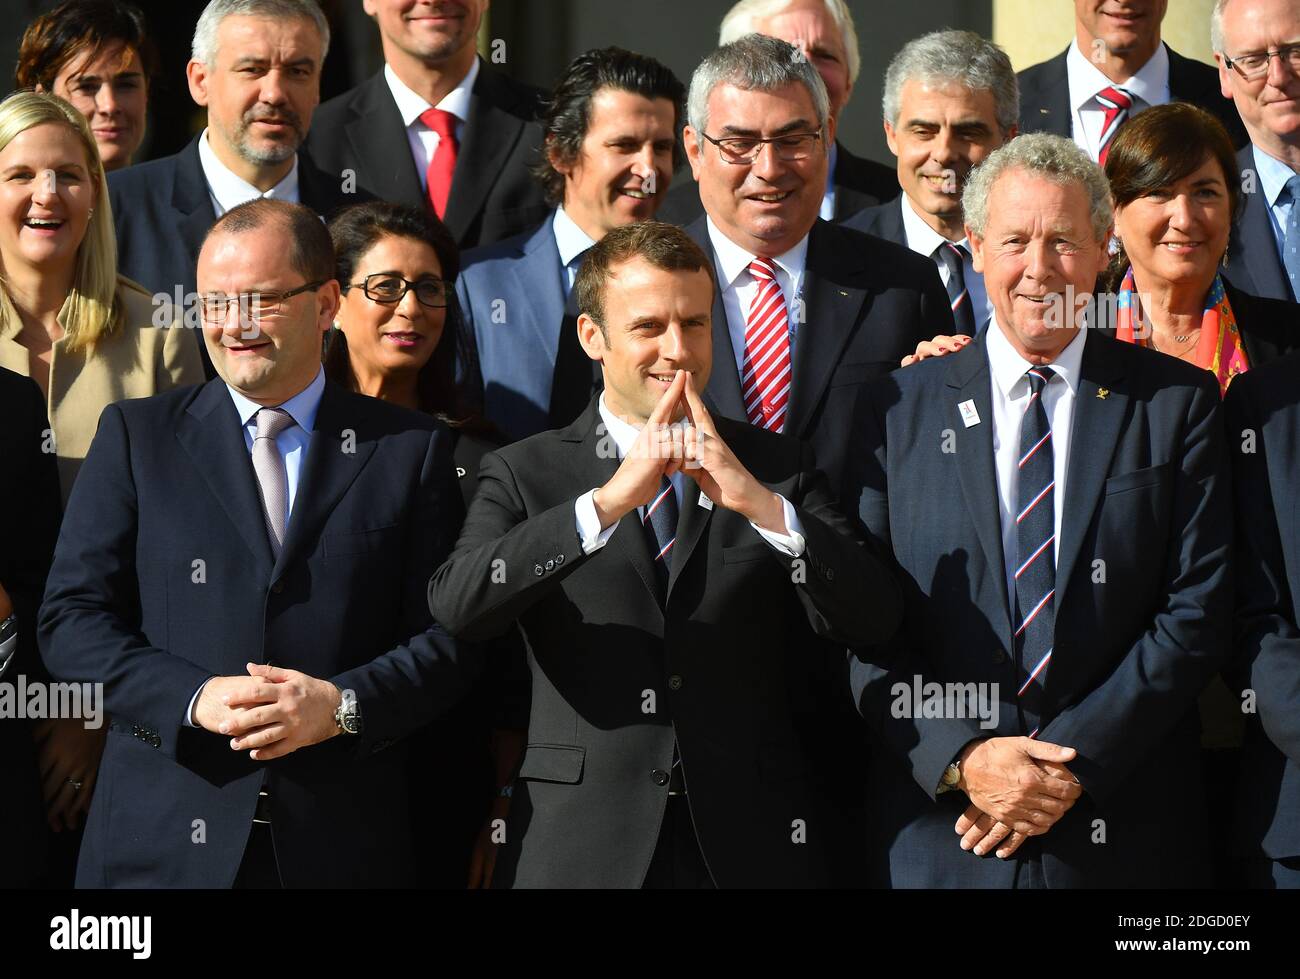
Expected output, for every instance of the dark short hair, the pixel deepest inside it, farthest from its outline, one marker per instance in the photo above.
(75, 27)
(1157, 148)
(310, 252)
(357, 229)
(665, 246)
(567, 114)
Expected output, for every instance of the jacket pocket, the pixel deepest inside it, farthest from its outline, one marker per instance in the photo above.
(1152, 476)
(361, 541)
(740, 553)
(553, 763)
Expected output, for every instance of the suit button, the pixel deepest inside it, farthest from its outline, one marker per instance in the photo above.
(538, 569)
(559, 559)
(550, 565)
(674, 682)
(999, 656)
(659, 777)
(278, 587)
(830, 574)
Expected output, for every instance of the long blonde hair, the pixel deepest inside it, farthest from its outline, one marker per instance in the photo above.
(91, 311)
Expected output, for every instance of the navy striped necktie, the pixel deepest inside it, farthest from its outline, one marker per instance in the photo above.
(660, 523)
(1036, 547)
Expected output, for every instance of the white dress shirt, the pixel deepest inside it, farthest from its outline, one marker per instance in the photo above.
(624, 435)
(923, 240)
(1150, 86)
(1010, 396)
(292, 444)
(572, 241)
(227, 189)
(827, 212)
(410, 105)
(739, 287)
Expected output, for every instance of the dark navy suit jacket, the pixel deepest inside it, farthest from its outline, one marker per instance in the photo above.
(1142, 615)
(1253, 263)
(164, 576)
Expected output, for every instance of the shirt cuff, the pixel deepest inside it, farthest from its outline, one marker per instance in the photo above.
(189, 711)
(791, 544)
(589, 532)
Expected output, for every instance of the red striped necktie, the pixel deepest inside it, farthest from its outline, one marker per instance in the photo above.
(1116, 103)
(765, 377)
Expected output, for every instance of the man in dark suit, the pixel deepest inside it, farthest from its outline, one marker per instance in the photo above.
(611, 141)
(29, 500)
(1263, 427)
(1262, 250)
(672, 739)
(243, 566)
(438, 126)
(950, 100)
(830, 308)
(823, 31)
(1062, 616)
(1116, 67)
(258, 75)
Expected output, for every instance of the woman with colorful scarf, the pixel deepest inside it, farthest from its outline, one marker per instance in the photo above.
(1174, 178)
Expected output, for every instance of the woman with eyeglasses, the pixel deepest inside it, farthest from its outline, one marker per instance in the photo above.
(399, 336)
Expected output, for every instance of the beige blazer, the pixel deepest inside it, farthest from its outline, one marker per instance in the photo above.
(137, 361)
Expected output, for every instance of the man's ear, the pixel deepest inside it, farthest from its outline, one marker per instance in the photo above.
(976, 250)
(591, 338)
(889, 137)
(330, 298)
(196, 73)
(694, 149)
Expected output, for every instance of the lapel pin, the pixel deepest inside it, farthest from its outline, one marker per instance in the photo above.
(843, 293)
(1103, 394)
(969, 415)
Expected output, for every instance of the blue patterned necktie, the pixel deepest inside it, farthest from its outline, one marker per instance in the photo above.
(953, 257)
(660, 523)
(1291, 246)
(1036, 549)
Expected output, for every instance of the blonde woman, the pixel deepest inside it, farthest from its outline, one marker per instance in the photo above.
(85, 334)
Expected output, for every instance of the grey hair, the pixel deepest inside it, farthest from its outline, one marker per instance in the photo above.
(739, 21)
(204, 47)
(1054, 157)
(1216, 26)
(755, 63)
(954, 56)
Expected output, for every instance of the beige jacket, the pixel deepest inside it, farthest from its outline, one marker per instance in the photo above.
(137, 361)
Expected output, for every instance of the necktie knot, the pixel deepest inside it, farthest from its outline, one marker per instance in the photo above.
(440, 121)
(763, 269)
(1293, 187)
(1038, 378)
(271, 422)
(1112, 97)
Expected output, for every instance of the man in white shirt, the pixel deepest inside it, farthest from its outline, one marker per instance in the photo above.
(257, 72)
(1073, 591)
(950, 100)
(437, 127)
(1116, 67)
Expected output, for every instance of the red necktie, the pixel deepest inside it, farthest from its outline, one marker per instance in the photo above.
(1115, 102)
(765, 379)
(443, 163)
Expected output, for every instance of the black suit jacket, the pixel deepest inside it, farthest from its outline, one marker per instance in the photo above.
(29, 499)
(725, 667)
(1142, 615)
(493, 195)
(1262, 412)
(868, 303)
(164, 576)
(859, 182)
(1253, 262)
(1045, 95)
(882, 220)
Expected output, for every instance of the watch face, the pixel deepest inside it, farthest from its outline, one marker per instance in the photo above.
(352, 723)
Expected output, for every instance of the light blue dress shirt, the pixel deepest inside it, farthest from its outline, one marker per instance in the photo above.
(1273, 174)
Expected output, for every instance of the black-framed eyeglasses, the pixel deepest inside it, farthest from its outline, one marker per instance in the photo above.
(1254, 66)
(789, 148)
(388, 288)
(252, 305)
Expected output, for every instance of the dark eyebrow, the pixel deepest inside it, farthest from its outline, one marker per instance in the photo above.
(797, 125)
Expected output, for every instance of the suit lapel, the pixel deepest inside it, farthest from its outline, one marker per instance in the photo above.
(691, 521)
(1051, 112)
(380, 146)
(211, 436)
(1098, 421)
(488, 137)
(723, 391)
(831, 311)
(968, 380)
(328, 469)
(191, 198)
(1258, 245)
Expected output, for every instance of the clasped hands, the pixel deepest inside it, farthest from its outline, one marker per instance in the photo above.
(694, 447)
(1018, 788)
(269, 713)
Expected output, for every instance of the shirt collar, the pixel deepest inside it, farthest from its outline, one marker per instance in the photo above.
(920, 236)
(571, 240)
(732, 260)
(1273, 174)
(1008, 367)
(410, 105)
(301, 407)
(1150, 83)
(231, 190)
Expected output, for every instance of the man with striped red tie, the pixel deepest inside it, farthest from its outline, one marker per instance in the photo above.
(1038, 723)
(1116, 67)
(685, 585)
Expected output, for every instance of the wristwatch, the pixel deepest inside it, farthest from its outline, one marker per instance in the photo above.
(950, 780)
(348, 714)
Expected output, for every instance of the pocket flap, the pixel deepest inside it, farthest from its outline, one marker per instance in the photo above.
(553, 763)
